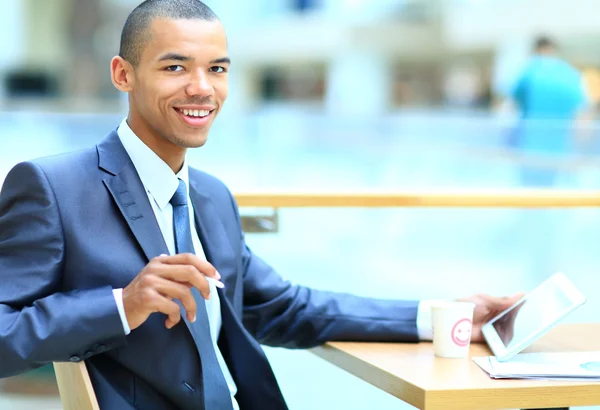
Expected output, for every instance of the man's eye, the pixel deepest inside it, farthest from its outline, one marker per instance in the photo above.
(218, 69)
(174, 68)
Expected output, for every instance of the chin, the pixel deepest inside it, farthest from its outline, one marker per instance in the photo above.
(194, 142)
(189, 141)
(197, 144)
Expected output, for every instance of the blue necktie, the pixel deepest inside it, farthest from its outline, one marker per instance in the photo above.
(216, 392)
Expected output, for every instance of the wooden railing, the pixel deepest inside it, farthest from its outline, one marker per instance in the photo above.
(73, 379)
(530, 198)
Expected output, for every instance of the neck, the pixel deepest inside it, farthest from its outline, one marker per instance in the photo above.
(173, 155)
(545, 53)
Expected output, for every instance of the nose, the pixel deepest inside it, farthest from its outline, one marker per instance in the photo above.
(199, 85)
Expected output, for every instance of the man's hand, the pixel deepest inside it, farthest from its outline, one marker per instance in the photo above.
(163, 279)
(505, 326)
(486, 308)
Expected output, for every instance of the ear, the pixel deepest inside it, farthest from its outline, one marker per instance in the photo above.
(122, 74)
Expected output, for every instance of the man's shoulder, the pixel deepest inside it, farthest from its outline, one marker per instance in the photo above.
(86, 158)
(205, 179)
(76, 162)
(67, 159)
(60, 171)
(210, 186)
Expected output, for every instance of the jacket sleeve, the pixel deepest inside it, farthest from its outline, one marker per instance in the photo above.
(279, 313)
(40, 324)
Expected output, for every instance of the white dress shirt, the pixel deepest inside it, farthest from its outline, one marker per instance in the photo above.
(161, 183)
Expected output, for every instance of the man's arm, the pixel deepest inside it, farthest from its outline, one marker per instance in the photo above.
(279, 313)
(38, 323)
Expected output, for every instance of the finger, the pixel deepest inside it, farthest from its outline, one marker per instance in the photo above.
(518, 295)
(173, 311)
(184, 274)
(512, 300)
(180, 291)
(203, 266)
(499, 303)
(163, 305)
(188, 274)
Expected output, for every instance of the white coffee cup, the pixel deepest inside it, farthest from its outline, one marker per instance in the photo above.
(452, 325)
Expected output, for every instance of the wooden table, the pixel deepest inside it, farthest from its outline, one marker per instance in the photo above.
(412, 373)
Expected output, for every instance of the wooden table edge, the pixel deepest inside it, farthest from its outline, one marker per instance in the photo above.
(531, 394)
(373, 375)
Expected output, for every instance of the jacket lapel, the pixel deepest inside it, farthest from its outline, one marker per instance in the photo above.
(130, 196)
(213, 236)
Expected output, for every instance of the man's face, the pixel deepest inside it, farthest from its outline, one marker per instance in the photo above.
(180, 83)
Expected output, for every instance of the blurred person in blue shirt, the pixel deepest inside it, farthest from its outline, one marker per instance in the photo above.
(550, 94)
(551, 97)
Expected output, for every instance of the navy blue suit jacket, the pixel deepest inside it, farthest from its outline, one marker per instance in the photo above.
(75, 226)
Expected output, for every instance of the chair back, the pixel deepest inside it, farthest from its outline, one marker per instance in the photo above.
(75, 386)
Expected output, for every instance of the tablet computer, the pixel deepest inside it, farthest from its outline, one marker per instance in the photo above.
(531, 316)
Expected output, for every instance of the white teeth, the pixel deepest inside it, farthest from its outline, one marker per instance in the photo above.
(195, 113)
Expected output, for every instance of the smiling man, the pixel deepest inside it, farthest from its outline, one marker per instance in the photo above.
(173, 63)
(126, 258)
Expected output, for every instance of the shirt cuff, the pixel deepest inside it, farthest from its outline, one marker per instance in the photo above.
(424, 325)
(118, 294)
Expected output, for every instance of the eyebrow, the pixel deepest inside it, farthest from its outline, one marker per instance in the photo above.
(222, 60)
(179, 57)
(174, 56)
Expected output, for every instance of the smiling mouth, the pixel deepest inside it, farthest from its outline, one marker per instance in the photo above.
(195, 113)
(195, 118)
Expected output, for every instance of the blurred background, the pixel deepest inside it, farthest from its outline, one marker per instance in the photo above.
(338, 95)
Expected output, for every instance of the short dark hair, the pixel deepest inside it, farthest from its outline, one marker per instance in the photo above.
(543, 42)
(135, 31)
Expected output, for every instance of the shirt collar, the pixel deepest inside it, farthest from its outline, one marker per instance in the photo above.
(156, 176)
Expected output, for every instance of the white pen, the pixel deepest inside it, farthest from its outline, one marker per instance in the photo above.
(215, 282)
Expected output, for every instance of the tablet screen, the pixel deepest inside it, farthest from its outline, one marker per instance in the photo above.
(540, 309)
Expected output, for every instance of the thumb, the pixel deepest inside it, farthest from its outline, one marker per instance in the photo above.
(504, 302)
(517, 296)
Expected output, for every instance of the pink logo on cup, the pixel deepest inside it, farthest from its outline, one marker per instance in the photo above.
(461, 332)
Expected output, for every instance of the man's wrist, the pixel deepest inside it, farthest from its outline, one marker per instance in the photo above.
(424, 325)
(118, 294)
